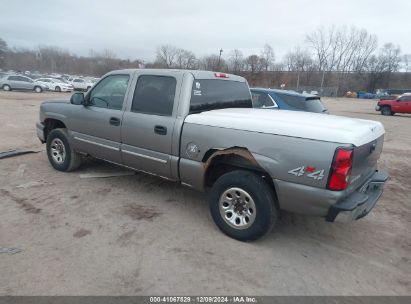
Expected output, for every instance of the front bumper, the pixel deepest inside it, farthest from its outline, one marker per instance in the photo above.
(40, 131)
(360, 202)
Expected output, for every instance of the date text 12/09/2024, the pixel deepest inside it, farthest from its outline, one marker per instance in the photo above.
(204, 299)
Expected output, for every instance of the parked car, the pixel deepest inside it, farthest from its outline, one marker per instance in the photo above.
(198, 128)
(19, 82)
(81, 84)
(56, 84)
(401, 104)
(286, 100)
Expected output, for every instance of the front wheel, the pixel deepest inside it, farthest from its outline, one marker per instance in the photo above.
(243, 205)
(59, 152)
(386, 111)
(38, 89)
(57, 89)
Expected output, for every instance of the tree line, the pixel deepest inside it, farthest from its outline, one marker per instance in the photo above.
(348, 58)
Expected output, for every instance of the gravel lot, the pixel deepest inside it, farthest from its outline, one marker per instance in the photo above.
(140, 235)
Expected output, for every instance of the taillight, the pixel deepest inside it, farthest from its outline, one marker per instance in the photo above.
(221, 75)
(340, 169)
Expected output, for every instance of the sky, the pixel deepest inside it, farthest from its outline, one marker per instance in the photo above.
(135, 28)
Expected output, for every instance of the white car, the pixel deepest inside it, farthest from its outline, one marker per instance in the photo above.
(81, 84)
(56, 84)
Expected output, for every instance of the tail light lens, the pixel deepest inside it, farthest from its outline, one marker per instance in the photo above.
(340, 169)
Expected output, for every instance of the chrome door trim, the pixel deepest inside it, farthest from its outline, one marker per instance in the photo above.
(96, 143)
(163, 161)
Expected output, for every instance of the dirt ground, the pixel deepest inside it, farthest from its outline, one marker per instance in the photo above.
(140, 235)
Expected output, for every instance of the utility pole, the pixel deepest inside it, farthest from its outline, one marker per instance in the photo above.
(219, 59)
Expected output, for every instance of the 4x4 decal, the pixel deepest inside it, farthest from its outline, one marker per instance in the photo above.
(309, 171)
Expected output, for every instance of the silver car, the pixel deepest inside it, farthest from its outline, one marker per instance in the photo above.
(19, 82)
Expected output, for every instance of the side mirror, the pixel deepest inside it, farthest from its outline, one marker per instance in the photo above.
(77, 99)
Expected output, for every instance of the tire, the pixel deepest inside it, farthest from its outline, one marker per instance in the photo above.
(386, 111)
(38, 89)
(59, 152)
(57, 89)
(248, 191)
(6, 87)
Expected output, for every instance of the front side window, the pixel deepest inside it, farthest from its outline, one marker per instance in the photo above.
(154, 95)
(212, 94)
(404, 98)
(110, 92)
(78, 80)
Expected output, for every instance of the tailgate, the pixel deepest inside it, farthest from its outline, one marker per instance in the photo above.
(365, 162)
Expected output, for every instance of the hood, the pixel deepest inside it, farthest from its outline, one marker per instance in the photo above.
(307, 125)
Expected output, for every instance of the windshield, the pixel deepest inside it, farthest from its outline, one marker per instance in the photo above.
(212, 94)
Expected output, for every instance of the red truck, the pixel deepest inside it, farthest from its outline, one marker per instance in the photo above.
(391, 106)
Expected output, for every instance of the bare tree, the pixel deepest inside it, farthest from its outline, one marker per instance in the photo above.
(3, 51)
(268, 57)
(212, 63)
(381, 67)
(299, 61)
(235, 61)
(166, 55)
(186, 60)
(406, 62)
(341, 49)
(254, 63)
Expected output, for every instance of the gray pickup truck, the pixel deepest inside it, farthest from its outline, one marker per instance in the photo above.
(198, 128)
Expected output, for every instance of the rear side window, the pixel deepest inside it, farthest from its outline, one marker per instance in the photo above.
(211, 94)
(154, 95)
(262, 100)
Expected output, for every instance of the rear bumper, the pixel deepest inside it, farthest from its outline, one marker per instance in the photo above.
(40, 131)
(360, 202)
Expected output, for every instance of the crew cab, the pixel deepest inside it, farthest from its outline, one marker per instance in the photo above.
(402, 104)
(198, 128)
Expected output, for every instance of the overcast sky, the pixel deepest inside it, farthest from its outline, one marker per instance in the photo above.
(134, 28)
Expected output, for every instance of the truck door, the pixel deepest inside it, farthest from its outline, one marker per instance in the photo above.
(401, 105)
(147, 129)
(96, 128)
(408, 105)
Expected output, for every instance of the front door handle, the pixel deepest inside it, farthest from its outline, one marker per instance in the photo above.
(161, 130)
(114, 121)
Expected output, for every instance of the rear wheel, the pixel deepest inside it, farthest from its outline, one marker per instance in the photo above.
(57, 89)
(38, 89)
(59, 152)
(243, 205)
(6, 87)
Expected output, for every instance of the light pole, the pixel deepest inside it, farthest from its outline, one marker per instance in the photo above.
(219, 59)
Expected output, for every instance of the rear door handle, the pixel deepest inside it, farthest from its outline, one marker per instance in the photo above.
(161, 130)
(114, 121)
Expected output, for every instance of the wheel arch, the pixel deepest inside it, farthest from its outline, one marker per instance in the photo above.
(217, 162)
(51, 124)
